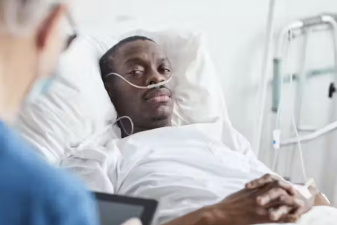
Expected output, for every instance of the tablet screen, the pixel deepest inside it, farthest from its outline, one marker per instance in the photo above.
(112, 213)
(116, 209)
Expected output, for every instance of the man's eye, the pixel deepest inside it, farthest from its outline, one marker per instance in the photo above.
(136, 72)
(165, 70)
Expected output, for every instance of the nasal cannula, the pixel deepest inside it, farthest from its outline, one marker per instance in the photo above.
(142, 87)
(151, 86)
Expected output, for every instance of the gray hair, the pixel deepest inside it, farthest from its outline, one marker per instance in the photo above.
(20, 16)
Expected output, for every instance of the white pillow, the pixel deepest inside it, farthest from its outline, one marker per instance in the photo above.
(198, 96)
(77, 105)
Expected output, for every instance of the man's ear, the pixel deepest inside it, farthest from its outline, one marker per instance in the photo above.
(49, 26)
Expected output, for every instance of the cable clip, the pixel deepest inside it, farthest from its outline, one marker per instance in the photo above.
(276, 139)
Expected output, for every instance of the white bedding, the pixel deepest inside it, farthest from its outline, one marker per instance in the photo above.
(185, 168)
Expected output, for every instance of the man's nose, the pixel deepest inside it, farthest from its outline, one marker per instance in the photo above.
(154, 78)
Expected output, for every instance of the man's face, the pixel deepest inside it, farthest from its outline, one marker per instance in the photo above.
(142, 63)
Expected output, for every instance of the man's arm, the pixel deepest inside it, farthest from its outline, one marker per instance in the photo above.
(319, 199)
(252, 205)
(203, 216)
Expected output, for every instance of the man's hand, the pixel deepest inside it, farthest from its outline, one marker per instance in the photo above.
(291, 212)
(265, 200)
(254, 206)
(241, 208)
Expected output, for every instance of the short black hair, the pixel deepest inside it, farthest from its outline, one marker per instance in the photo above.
(106, 63)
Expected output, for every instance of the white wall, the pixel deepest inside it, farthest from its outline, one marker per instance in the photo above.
(236, 36)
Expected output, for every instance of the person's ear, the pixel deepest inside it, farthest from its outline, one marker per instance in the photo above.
(49, 28)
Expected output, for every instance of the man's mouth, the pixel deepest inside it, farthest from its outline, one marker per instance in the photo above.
(158, 95)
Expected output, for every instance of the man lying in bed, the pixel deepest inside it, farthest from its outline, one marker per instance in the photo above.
(199, 180)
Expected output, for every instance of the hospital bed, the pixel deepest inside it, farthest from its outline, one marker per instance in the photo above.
(76, 114)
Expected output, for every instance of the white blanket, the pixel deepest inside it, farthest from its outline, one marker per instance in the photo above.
(184, 168)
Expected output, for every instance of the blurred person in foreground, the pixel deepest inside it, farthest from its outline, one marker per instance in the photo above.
(31, 192)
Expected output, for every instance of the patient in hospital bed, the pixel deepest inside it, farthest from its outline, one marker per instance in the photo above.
(195, 177)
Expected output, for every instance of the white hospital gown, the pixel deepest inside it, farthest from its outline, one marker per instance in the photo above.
(184, 168)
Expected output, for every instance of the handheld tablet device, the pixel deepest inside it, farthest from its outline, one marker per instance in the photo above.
(116, 209)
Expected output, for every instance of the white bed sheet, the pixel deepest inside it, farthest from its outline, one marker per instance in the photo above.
(184, 168)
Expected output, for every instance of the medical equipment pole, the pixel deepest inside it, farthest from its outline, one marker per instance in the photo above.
(330, 20)
(305, 29)
(267, 58)
(331, 140)
(311, 136)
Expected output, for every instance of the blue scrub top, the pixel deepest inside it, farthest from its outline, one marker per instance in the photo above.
(34, 193)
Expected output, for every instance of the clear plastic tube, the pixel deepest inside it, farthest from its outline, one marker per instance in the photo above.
(141, 87)
(288, 65)
(131, 123)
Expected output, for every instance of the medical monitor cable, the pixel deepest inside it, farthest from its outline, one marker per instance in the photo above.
(277, 132)
(268, 45)
(300, 150)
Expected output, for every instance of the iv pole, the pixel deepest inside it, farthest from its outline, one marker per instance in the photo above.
(266, 65)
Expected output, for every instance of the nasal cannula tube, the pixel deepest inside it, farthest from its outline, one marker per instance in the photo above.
(142, 87)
